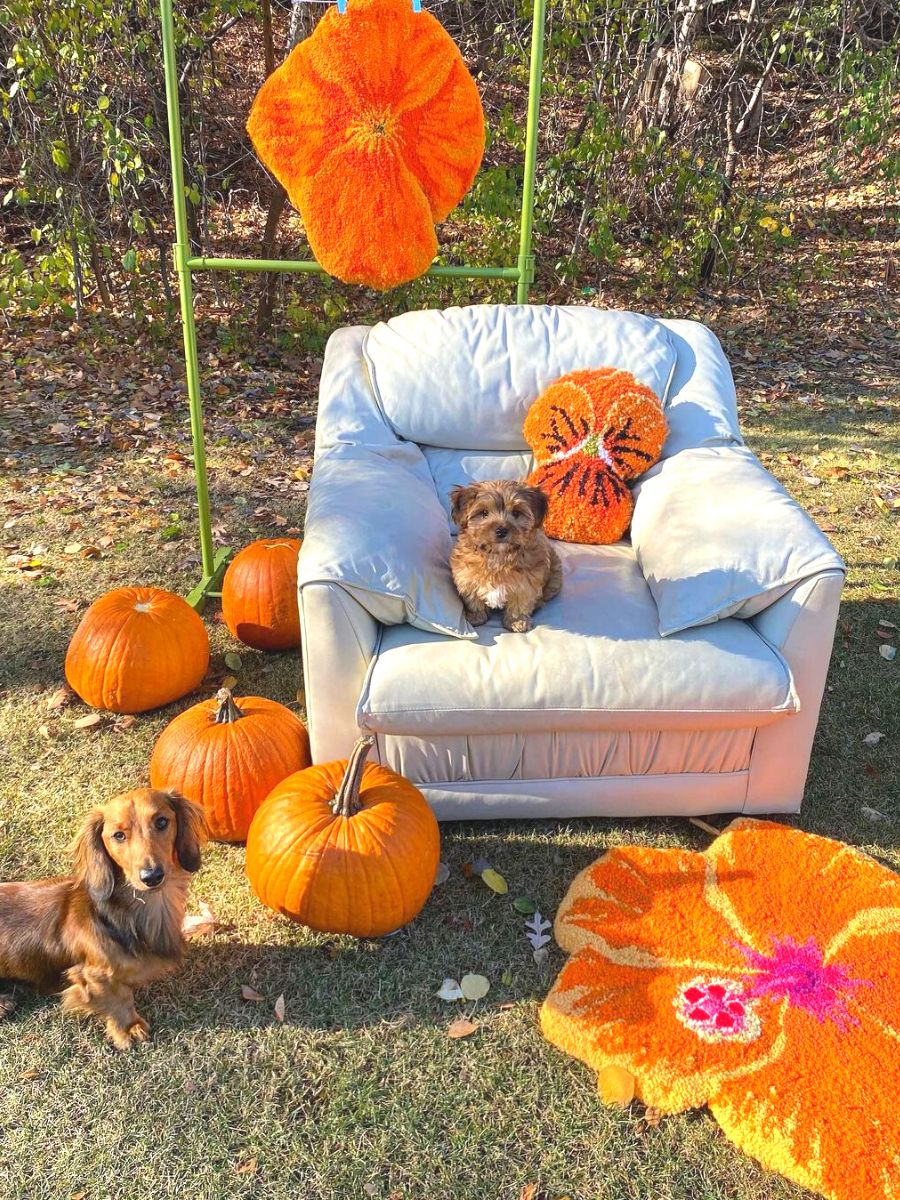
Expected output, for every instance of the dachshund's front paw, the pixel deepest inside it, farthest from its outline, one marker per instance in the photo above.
(7, 1006)
(124, 1037)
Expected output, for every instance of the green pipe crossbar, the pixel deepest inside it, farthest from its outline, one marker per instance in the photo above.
(213, 562)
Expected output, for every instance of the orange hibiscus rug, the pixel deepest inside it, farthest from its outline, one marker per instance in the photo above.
(761, 978)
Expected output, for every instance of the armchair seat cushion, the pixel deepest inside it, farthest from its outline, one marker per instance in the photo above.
(594, 661)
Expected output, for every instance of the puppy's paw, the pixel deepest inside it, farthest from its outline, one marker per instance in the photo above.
(476, 616)
(7, 1006)
(516, 623)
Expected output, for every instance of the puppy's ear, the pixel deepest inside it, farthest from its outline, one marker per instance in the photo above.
(537, 502)
(460, 499)
(190, 830)
(93, 866)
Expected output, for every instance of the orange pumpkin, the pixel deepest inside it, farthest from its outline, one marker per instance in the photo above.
(345, 847)
(591, 432)
(375, 129)
(227, 756)
(137, 648)
(259, 594)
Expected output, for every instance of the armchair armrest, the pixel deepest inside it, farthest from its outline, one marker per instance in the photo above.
(800, 625)
(375, 528)
(338, 639)
(717, 536)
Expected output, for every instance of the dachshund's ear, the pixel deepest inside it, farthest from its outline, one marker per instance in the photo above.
(190, 830)
(537, 502)
(93, 866)
(460, 499)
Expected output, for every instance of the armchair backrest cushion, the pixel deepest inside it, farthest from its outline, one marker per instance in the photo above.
(464, 378)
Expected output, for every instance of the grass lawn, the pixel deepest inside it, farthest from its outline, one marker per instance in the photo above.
(360, 1093)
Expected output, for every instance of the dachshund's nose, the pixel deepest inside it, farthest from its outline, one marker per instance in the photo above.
(501, 533)
(152, 876)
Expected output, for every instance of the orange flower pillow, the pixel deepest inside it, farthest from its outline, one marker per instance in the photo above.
(374, 127)
(591, 432)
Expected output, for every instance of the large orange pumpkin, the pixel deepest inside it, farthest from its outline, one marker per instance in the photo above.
(375, 129)
(227, 756)
(259, 594)
(345, 847)
(137, 648)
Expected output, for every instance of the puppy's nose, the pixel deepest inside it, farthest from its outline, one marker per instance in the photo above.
(501, 533)
(152, 876)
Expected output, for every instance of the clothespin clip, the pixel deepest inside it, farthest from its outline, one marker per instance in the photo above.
(417, 5)
(342, 6)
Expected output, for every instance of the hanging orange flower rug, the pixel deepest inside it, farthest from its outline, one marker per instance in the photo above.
(374, 127)
(761, 978)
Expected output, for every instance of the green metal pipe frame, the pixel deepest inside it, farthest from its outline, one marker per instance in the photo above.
(213, 562)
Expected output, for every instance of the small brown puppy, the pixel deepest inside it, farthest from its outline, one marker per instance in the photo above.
(502, 559)
(115, 925)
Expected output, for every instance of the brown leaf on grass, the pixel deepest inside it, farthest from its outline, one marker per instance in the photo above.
(249, 1166)
(202, 923)
(652, 1117)
(91, 721)
(61, 698)
(461, 1028)
(249, 993)
(705, 826)
(279, 1009)
(529, 1192)
(124, 722)
(46, 732)
(91, 552)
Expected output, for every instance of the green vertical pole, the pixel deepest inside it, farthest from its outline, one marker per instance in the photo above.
(526, 258)
(186, 290)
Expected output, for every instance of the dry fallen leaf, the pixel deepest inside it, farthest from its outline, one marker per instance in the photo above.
(91, 721)
(616, 1086)
(873, 738)
(279, 1009)
(60, 698)
(249, 993)
(442, 874)
(124, 722)
(888, 652)
(495, 881)
(247, 1167)
(474, 987)
(529, 1192)
(199, 924)
(461, 1028)
(705, 826)
(450, 991)
(872, 814)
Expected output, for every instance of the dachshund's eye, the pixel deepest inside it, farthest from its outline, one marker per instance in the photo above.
(161, 823)
(118, 836)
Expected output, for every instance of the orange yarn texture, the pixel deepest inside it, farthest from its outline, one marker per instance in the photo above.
(374, 127)
(590, 433)
(759, 978)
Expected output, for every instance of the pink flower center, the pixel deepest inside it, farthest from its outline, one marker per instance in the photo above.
(798, 974)
(717, 1010)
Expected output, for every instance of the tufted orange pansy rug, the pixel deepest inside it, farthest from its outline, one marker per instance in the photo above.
(761, 978)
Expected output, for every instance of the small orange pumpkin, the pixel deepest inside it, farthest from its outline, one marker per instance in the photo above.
(345, 847)
(259, 594)
(137, 648)
(227, 756)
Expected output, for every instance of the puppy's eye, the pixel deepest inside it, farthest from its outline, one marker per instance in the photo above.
(118, 836)
(482, 512)
(161, 823)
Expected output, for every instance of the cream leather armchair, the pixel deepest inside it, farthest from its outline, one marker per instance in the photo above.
(680, 672)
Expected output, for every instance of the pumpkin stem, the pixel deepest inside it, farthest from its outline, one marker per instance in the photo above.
(347, 802)
(228, 711)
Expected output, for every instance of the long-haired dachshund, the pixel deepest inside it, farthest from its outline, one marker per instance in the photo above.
(115, 925)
